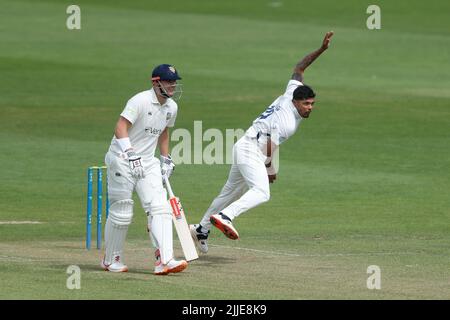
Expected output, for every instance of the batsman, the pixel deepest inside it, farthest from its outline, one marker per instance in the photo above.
(142, 126)
(253, 169)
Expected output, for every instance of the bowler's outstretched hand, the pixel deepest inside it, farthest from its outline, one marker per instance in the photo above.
(327, 40)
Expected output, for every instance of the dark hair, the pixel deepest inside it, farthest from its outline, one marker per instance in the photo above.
(303, 92)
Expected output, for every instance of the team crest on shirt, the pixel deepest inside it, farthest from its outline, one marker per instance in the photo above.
(277, 108)
(168, 116)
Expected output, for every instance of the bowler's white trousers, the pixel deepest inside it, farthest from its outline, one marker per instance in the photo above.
(247, 185)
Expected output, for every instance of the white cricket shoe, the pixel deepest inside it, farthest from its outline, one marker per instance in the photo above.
(116, 266)
(173, 266)
(200, 238)
(223, 223)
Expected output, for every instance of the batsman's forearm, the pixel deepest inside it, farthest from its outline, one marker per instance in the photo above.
(163, 143)
(122, 127)
(301, 66)
(121, 133)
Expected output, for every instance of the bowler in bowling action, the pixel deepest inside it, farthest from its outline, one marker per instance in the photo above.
(253, 170)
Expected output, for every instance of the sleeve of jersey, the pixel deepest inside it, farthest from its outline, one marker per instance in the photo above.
(172, 119)
(278, 135)
(131, 111)
(291, 86)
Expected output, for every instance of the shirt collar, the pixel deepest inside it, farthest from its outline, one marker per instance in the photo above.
(154, 99)
(294, 110)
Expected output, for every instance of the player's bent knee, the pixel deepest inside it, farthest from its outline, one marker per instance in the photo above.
(264, 194)
(158, 210)
(121, 212)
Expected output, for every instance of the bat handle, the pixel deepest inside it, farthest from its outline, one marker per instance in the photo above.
(168, 187)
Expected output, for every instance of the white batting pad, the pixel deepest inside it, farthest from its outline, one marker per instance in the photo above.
(114, 240)
(161, 230)
(121, 212)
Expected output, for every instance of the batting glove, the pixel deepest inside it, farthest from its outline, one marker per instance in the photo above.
(167, 166)
(137, 170)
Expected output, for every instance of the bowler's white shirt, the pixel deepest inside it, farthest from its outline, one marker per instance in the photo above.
(281, 119)
(149, 119)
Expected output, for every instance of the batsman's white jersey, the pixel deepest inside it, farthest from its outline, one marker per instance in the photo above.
(248, 184)
(149, 119)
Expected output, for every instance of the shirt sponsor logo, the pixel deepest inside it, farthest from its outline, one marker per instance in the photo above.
(153, 131)
(168, 116)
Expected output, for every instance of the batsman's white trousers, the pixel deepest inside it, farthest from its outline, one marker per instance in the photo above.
(247, 185)
(150, 190)
(152, 194)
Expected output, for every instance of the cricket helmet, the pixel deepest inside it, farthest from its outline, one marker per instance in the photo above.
(165, 72)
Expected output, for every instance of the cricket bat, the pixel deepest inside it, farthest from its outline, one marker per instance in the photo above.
(181, 225)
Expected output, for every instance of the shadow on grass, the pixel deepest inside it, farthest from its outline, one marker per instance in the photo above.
(206, 260)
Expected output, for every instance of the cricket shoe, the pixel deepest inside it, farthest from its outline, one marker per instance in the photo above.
(173, 266)
(223, 223)
(116, 266)
(200, 238)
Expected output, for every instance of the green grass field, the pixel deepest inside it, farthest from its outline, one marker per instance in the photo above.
(365, 181)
